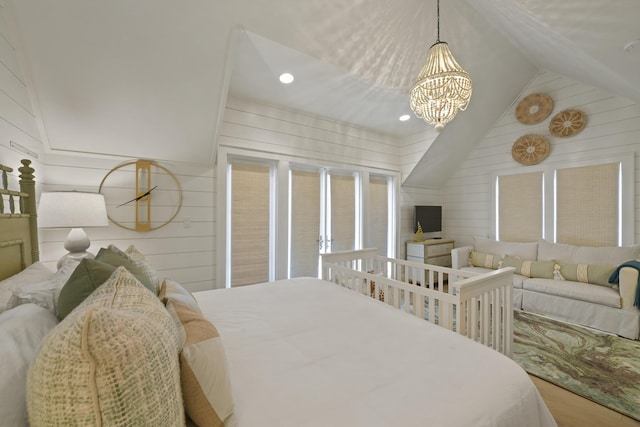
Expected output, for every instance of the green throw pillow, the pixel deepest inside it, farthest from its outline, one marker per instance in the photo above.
(596, 274)
(117, 258)
(86, 278)
(530, 268)
(480, 259)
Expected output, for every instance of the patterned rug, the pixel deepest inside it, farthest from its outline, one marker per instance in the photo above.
(600, 367)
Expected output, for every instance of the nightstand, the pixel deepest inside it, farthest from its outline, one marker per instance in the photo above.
(432, 251)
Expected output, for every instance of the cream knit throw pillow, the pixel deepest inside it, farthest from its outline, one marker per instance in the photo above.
(112, 362)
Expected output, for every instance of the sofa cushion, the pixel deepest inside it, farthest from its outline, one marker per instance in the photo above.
(529, 268)
(573, 254)
(522, 250)
(596, 274)
(481, 259)
(575, 290)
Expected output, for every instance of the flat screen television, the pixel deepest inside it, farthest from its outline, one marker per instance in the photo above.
(429, 217)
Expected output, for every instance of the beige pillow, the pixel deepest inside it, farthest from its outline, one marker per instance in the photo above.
(175, 291)
(123, 291)
(490, 246)
(530, 268)
(204, 376)
(596, 274)
(480, 259)
(108, 367)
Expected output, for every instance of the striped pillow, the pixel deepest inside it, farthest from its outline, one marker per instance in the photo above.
(203, 369)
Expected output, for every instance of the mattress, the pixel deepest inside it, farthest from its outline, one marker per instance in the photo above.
(305, 352)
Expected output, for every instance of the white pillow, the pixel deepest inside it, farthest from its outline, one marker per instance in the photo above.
(44, 293)
(35, 273)
(22, 330)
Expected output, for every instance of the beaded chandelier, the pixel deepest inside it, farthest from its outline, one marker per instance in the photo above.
(442, 87)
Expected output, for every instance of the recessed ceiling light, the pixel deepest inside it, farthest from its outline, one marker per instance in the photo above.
(404, 117)
(286, 78)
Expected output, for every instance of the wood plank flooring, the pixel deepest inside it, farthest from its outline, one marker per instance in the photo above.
(571, 410)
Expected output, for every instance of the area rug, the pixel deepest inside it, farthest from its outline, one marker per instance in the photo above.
(600, 367)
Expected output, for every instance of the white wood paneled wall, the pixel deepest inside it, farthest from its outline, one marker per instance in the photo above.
(296, 136)
(183, 250)
(18, 125)
(613, 129)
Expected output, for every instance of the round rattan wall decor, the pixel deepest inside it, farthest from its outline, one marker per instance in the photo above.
(534, 108)
(530, 149)
(567, 122)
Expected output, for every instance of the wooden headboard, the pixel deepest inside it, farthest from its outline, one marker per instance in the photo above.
(18, 222)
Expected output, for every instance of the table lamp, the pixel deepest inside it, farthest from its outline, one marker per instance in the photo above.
(75, 210)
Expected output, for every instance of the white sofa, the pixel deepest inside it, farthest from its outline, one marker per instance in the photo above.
(537, 289)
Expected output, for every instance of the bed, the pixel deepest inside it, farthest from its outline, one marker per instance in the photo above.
(298, 352)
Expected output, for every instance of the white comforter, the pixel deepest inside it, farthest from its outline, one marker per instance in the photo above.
(304, 352)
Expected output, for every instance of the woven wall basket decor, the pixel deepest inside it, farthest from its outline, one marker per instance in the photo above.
(534, 108)
(530, 149)
(567, 122)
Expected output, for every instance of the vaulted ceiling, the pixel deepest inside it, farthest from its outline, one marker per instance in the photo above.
(149, 78)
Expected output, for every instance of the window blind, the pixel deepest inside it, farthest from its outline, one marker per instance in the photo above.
(249, 223)
(343, 212)
(520, 207)
(378, 213)
(587, 205)
(305, 223)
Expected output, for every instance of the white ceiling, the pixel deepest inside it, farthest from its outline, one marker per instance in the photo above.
(149, 78)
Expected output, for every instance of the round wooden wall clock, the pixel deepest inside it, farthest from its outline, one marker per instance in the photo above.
(141, 195)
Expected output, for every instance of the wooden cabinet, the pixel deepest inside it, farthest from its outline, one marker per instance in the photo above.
(434, 252)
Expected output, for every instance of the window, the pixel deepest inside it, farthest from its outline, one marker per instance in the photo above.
(587, 208)
(380, 200)
(249, 194)
(588, 203)
(520, 207)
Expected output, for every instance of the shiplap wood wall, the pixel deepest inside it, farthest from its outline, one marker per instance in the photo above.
(613, 129)
(296, 136)
(18, 124)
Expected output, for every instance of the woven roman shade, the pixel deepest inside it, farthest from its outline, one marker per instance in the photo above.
(587, 205)
(249, 223)
(343, 212)
(378, 213)
(305, 222)
(520, 207)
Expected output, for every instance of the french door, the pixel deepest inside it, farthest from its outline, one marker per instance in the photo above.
(324, 208)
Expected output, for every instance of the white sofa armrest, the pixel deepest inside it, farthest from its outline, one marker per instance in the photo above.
(628, 283)
(460, 257)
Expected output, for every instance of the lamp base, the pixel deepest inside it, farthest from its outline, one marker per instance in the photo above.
(77, 243)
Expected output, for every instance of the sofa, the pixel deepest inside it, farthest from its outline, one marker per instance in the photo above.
(564, 282)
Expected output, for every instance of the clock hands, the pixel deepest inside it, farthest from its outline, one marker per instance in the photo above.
(138, 198)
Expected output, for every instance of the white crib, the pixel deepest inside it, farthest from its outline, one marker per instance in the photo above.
(478, 306)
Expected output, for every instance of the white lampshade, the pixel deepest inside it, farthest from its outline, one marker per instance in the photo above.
(75, 210)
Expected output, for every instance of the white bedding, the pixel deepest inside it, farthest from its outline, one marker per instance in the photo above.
(304, 352)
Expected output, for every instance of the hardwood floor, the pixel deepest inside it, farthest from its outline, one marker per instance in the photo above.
(571, 410)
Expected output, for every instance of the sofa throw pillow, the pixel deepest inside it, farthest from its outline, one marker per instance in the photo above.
(480, 259)
(573, 254)
(530, 268)
(596, 274)
(85, 279)
(204, 375)
(117, 258)
(108, 367)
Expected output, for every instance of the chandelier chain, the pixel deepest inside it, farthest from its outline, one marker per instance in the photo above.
(438, 13)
